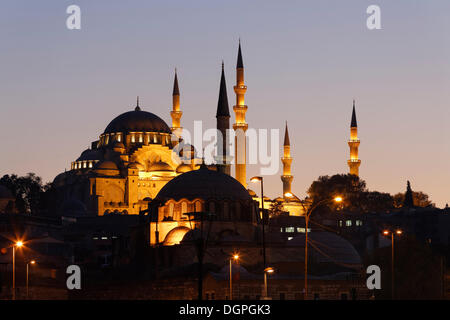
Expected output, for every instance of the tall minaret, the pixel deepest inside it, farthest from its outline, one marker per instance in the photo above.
(240, 127)
(223, 125)
(353, 143)
(287, 160)
(176, 113)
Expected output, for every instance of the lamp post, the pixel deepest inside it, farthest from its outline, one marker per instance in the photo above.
(307, 215)
(386, 233)
(235, 257)
(18, 244)
(260, 179)
(266, 271)
(28, 263)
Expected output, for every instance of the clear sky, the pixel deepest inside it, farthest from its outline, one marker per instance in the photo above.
(304, 60)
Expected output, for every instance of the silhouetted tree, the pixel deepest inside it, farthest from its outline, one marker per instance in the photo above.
(408, 202)
(420, 199)
(276, 208)
(26, 189)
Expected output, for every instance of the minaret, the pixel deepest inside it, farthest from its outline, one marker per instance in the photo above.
(223, 125)
(353, 143)
(240, 127)
(176, 113)
(287, 160)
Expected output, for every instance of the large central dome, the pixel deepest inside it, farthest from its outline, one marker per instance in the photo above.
(137, 121)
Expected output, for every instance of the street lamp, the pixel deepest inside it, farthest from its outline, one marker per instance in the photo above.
(386, 233)
(235, 257)
(18, 244)
(266, 271)
(260, 179)
(308, 212)
(32, 262)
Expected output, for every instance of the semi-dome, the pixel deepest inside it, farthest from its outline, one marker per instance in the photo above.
(137, 121)
(160, 166)
(183, 168)
(204, 184)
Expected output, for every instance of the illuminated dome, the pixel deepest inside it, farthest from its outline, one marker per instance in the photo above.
(183, 168)
(137, 121)
(205, 184)
(160, 166)
(107, 168)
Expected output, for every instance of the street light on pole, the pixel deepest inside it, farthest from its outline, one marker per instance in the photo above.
(386, 233)
(18, 244)
(261, 180)
(28, 263)
(266, 271)
(235, 257)
(308, 212)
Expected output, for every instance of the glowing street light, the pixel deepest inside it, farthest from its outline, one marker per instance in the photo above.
(32, 262)
(268, 270)
(17, 244)
(386, 233)
(308, 212)
(235, 257)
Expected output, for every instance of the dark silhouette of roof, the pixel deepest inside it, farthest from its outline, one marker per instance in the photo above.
(137, 120)
(353, 124)
(204, 184)
(176, 91)
(91, 154)
(240, 63)
(222, 104)
(286, 137)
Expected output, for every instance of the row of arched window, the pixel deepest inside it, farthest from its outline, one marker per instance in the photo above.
(86, 164)
(136, 137)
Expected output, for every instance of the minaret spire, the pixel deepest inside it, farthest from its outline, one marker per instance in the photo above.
(223, 125)
(137, 104)
(176, 113)
(287, 177)
(353, 143)
(240, 127)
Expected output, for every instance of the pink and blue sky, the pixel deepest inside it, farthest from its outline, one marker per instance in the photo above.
(305, 61)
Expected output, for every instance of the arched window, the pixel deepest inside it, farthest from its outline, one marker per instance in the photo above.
(198, 206)
(184, 208)
(171, 207)
(226, 211)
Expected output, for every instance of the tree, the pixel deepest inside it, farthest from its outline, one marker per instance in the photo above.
(356, 197)
(408, 202)
(276, 208)
(419, 199)
(26, 189)
(348, 186)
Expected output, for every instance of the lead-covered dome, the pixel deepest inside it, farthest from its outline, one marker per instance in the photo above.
(204, 184)
(137, 121)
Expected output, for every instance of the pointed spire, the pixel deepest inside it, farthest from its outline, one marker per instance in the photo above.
(353, 123)
(286, 136)
(222, 104)
(137, 104)
(240, 63)
(176, 91)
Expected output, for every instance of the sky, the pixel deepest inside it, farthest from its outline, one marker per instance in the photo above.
(305, 61)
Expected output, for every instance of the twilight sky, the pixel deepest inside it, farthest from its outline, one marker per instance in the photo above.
(304, 61)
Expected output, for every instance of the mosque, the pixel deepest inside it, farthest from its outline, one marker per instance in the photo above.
(139, 158)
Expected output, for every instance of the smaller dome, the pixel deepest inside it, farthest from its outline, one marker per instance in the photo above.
(132, 165)
(184, 167)
(160, 166)
(119, 147)
(107, 168)
(5, 193)
(90, 154)
(252, 193)
(107, 165)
